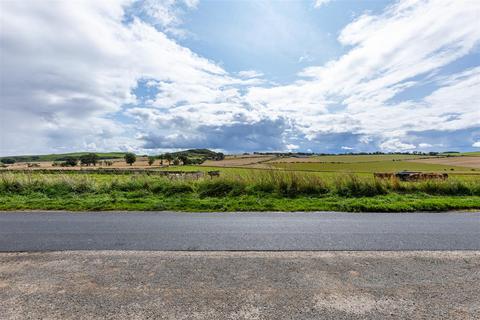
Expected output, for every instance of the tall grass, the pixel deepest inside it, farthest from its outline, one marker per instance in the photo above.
(277, 183)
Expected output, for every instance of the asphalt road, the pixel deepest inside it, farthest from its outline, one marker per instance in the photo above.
(49, 231)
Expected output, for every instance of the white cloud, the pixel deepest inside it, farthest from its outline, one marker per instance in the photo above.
(346, 148)
(476, 144)
(67, 68)
(292, 147)
(425, 145)
(319, 3)
(395, 145)
(250, 74)
(165, 14)
(359, 86)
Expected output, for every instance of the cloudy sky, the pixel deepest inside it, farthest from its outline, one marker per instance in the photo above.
(318, 76)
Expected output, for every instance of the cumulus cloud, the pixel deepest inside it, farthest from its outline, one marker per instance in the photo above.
(67, 68)
(390, 53)
(396, 145)
(476, 144)
(165, 14)
(71, 74)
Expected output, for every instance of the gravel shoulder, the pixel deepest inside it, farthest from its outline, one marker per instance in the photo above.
(240, 285)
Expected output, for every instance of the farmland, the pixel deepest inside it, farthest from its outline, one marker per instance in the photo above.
(247, 182)
(369, 166)
(463, 161)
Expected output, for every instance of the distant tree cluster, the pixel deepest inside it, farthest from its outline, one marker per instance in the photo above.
(71, 161)
(89, 159)
(189, 157)
(7, 161)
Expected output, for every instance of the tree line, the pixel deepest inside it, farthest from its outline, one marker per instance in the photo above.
(92, 159)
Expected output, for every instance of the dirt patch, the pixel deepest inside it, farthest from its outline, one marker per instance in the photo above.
(469, 162)
(241, 161)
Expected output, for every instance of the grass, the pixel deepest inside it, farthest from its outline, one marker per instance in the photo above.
(253, 190)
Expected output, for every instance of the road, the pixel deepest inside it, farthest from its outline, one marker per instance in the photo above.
(168, 231)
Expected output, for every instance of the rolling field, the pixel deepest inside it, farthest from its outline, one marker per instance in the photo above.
(466, 161)
(240, 161)
(350, 158)
(359, 164)
(371, 166)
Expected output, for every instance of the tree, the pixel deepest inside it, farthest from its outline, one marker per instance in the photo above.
(7, 161)
(88, 159)
(151, 160)
(176, 162)
(219, 156)
(184, 159)
(161, 157)
(71, 161)
(168, 157)
(130, 158)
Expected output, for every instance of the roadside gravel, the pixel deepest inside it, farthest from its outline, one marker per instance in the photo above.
(240, 285)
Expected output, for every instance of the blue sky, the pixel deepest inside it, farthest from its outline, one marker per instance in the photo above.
(319, 76)
(277, 38)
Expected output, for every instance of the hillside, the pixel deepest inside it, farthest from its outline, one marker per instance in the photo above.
(191, 153)
(199, 153)
(63, 156)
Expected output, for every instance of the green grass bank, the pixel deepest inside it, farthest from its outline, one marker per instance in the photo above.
(258, 191)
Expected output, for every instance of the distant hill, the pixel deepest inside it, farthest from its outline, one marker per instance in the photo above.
(63, 156)
(191, 153)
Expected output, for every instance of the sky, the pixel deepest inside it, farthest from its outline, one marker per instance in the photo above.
(324, 76)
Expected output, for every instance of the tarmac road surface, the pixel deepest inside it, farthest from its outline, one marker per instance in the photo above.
(249, 231)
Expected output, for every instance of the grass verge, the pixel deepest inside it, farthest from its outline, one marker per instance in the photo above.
(267, 191)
